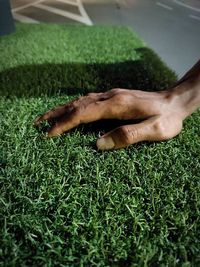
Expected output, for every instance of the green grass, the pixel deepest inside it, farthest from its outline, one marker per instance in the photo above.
(63, 203)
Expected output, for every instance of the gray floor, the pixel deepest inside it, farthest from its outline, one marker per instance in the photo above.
(170, 27)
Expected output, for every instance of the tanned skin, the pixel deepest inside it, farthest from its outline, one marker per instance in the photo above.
(162, 113)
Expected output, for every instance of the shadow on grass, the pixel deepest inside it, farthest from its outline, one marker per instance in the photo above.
(100, 126)
(147, 73)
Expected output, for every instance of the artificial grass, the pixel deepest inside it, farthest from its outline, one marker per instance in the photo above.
(48, 59)
(63, 203)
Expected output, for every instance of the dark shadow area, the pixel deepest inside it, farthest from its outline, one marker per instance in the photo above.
(104, 126)
(101, 126)
(97, 127)
(148, 73)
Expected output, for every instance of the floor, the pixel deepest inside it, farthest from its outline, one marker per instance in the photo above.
(52, 11)
(170, 27)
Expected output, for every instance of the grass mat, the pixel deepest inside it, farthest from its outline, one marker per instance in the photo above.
(63, 203)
